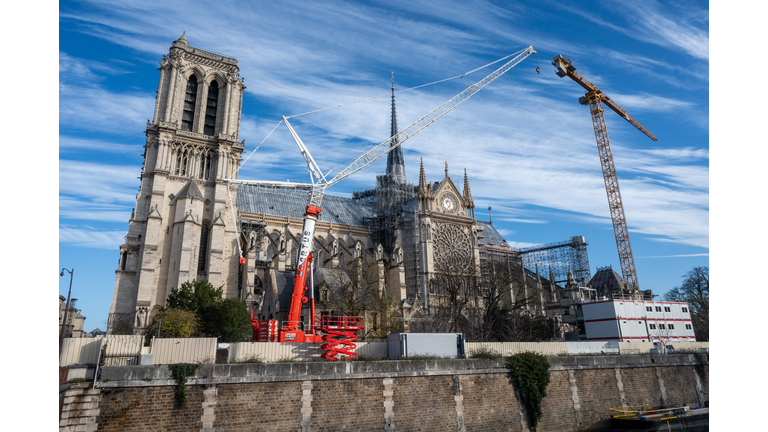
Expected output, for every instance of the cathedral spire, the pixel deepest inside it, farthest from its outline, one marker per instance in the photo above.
(422, 180)
(467, 192)
(468, 201)
(395, 160)
(425, 189)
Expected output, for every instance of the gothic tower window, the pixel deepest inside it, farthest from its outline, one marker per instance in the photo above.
(203, 249)
(190, 100)
(184, 163)
(205, 166)
(202, 167)
(210, 109)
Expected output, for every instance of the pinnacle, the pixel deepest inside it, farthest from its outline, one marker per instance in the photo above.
(183, 38)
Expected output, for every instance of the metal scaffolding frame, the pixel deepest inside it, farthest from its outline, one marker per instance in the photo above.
(559, 258)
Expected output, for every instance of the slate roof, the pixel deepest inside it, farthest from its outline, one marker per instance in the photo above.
(606, 280)
(190, 190)
(489, 235)
(292, 203)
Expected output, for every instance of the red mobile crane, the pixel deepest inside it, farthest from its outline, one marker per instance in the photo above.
(340, 329)
(595, 98)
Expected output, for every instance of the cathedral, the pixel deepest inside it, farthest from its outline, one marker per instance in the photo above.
(189, 223)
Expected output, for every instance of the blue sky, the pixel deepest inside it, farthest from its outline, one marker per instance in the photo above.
(528, 146)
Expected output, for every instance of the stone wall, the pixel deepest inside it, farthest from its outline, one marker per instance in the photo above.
(427, 395)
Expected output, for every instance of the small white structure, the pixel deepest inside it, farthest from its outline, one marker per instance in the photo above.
(627, 318)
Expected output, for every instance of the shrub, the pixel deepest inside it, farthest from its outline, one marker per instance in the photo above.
(176, 323)
(530, 373)
(180, 372)
(228, 320)
(484, 353)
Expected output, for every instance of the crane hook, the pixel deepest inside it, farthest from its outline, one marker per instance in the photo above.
(538, 70)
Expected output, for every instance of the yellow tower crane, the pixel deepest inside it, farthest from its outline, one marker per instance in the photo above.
(595, 98)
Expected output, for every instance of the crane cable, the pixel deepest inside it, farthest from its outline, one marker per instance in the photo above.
(401, 91)
(411, 88)
(229, 193)
(239, 249)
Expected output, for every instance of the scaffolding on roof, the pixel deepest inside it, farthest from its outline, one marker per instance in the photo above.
(389, 196)
(559, 258)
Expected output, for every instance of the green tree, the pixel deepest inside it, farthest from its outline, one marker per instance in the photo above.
(177, 323)
(695, 292)
(228, 320)
(194, 296)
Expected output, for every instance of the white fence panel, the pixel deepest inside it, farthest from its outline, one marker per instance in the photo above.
(183, 350)
(123, 350)
(80, 350)
(512, 348)
(271, 352)
(592, 347)
(374, 349)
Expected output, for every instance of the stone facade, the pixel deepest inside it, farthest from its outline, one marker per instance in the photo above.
(182, 227)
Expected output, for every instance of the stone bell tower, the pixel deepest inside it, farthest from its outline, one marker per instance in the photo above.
(182, 227)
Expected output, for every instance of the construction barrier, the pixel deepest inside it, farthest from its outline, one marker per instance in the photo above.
(589, 347)
(512, 348)
(271, 352)
(183, 350)
(121, 350)
(80, 350)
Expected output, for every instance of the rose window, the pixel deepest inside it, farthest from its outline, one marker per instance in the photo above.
(452, 249)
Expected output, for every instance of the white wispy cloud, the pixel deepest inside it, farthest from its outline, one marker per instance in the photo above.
(98, 182)
(647, 22)
(72, 144)
(87, 236)
(677, 256)
(524, 140)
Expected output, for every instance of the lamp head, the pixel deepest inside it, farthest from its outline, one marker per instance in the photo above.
(62, 273)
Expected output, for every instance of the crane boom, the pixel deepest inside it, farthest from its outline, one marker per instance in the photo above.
(380, 150)
(595, 99)
(290, 330)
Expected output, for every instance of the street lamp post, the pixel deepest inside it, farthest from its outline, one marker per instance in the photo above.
(66, 309)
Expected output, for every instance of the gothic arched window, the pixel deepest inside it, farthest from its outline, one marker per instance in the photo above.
(206, 167)
(190, 100)
(202, 166)
(203, 249)
(184, 163)
(210, 108)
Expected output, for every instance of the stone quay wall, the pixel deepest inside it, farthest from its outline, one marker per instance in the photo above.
(410, 395)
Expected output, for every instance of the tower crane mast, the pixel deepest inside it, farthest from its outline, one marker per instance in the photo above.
(290, 330)
(595, 98)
